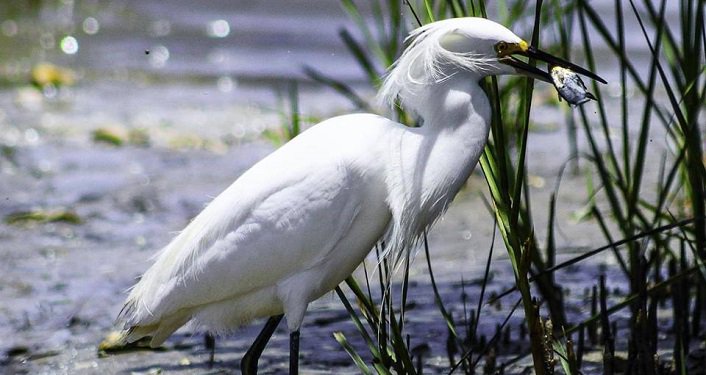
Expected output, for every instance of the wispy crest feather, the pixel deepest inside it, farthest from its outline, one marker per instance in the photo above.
(425, 61)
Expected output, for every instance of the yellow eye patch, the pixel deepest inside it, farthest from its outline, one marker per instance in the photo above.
(504, 49)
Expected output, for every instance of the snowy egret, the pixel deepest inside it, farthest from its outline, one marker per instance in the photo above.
(301, 220)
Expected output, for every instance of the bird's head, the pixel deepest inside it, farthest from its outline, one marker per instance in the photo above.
(464, 48)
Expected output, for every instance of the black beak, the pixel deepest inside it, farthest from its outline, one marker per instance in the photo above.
(551, 60)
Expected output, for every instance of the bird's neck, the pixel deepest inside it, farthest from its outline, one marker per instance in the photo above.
(430, 164)
(455, 127)
(457, 102)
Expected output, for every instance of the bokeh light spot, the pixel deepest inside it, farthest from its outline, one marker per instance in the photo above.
(69, 45)
(90, 26)
(158, 56)
(218, 29)
(225, 84)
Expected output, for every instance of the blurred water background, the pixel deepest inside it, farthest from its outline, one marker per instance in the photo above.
(214, 67)
(200, 82)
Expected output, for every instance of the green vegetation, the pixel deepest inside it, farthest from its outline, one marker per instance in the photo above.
(43, 216)
(651, 218)
(121, 137)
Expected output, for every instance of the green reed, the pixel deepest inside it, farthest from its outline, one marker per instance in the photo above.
(626, 209)
(674, 92)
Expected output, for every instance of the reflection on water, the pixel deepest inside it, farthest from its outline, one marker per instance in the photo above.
(215, 69)
(184, 64)
(247, 39)
(244, 39)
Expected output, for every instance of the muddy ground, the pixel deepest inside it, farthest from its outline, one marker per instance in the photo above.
(62, 284)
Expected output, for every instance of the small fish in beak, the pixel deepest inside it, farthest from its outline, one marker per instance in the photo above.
(569, 86)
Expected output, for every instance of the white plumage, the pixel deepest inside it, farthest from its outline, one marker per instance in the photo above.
(301, 220)
(275, 239)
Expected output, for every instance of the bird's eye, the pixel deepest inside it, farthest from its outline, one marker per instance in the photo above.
(501, 47)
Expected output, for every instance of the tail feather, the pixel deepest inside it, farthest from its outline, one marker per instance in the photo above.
(159, 331)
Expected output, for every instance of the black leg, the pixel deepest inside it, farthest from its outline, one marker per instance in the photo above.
(210, 343)
(294, 353)
(248, 365)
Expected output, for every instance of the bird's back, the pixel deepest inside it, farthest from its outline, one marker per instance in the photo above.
(290, 213)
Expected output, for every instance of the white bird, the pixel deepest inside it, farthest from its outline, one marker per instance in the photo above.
(301, 220)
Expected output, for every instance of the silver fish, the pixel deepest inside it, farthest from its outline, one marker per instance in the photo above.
(570, 86)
